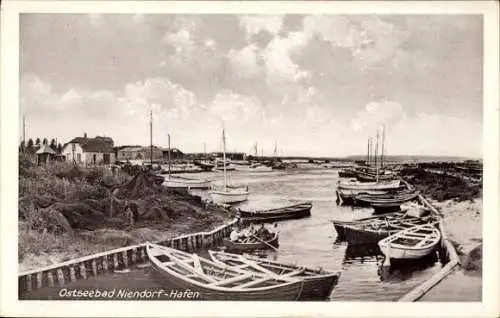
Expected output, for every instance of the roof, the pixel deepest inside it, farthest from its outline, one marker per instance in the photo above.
(97, 144)
(45, 149)
(131, 149)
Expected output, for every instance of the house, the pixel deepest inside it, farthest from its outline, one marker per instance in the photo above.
(84, 150)
(175, 154)
(124, 153)
(45, 155)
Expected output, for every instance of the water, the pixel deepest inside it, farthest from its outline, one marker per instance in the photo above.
(309, 241)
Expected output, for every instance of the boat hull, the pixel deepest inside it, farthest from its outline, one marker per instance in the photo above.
(359, 186)
(186, 183)
(317, 285)
(288, 292)
(246, 247)
(228, 197)
(286, 213)
(399, 253)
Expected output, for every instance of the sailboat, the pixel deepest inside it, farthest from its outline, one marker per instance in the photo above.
(356, 187)
(229, 193)
(183, 182)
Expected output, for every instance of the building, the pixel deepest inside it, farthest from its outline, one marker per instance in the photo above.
(84, 150)
(45, 155)
(231, 155)
(175, 154)
(124, 153)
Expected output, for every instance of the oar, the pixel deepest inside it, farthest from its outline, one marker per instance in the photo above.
(274, 248)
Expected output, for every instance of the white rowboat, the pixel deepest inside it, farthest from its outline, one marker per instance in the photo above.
(413, 243)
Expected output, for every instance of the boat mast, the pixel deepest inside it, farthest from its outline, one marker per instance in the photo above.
(376, 152)
(368, 153)
(383, 146)
(169, 157)
(205, 151)
(224, 156)
(151, 135)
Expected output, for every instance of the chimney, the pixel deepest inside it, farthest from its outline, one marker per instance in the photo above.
(85, 135)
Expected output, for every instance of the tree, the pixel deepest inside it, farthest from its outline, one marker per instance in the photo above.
(22, 146)
(45, 141)
(37, 141)
(30, 144)
(59, 148)
(53, 144)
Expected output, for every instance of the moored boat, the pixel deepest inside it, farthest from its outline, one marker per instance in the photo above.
(251, 245)
(361, 186)
(318, 284)
(386, 200)
(296, 211)
(412, 243)
(183, 182)
(214, 281)
(372, 231)
(228, 194)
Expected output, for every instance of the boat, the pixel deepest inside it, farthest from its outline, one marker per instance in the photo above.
(212, 281)
(255, 167)
(386, 200)
(228, 194)
(373, 230)
(295, 211)
(318, 284)
(357, 187)
(183, 182)
(252, 245)
(370, 177)
(204, 165)
(347, 173)
(412, 243)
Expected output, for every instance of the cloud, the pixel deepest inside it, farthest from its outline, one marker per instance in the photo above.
(278, 58)
(180, 40)
(244, 61)
(255, 24)
(230, 106)
(378, 113)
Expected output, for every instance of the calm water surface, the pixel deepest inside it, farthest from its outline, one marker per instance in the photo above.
(310, 241)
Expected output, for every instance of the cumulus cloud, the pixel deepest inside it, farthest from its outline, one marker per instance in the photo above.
(255, 24)
(378, 113)
(180, 40)
(278, 58)
(244, 61)
(230, 106)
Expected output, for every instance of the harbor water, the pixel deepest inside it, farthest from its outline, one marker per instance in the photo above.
(309, 242)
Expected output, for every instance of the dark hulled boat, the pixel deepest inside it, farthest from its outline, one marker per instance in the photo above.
(386, 200)
(318, 284)
(213, 281)
(373, 230)
(295, 211)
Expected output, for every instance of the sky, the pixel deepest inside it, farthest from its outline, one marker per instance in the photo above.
(317, 85)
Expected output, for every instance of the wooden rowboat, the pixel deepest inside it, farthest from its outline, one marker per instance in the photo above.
(386, 200)
(295, 211)
(318, 284)
(339, 225)
(212, 281)
(372, 231)
(241, 247)
(413, 243)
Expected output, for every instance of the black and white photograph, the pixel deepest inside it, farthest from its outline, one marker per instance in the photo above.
(319, 158)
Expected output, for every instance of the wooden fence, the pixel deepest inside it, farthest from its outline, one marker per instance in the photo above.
(96, 264)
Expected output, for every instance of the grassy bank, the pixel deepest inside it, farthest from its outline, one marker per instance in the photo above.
(459, 199)
(67, 211)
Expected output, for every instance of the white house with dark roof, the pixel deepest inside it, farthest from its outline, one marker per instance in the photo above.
(84, 150)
